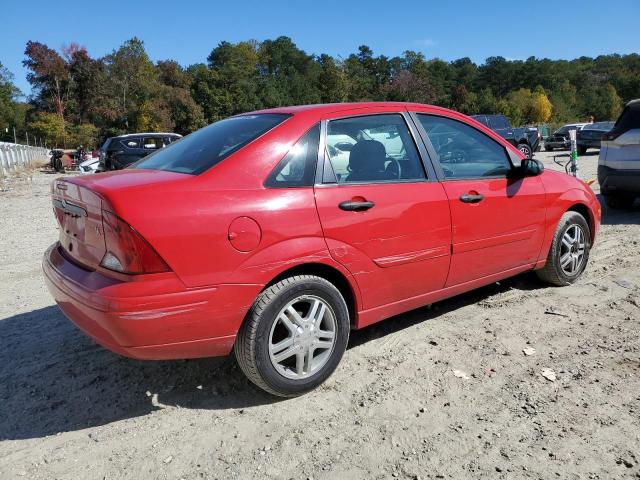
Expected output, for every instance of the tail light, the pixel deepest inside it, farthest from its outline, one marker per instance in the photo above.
(127, 251)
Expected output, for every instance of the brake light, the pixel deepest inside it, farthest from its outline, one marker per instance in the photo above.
(127, 251)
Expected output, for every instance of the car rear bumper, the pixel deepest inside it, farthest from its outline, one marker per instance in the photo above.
(150, 317)
(618, 181)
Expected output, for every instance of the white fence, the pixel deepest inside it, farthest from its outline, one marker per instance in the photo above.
(14, 156)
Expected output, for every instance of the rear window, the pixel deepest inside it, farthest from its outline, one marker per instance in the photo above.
(208, 146)
(629, 119)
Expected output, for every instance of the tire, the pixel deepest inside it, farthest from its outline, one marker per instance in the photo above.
(526, 149)
(548, 149)
(582, 150)
(553, 272)
(264, 325)
(619, 201)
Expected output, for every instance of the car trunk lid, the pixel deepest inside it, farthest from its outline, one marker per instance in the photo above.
(78, 210)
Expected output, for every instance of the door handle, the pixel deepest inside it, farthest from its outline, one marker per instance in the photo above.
(471, 197)
(356, 206)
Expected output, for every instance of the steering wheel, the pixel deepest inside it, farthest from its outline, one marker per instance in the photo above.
(397, 166)
(458, 156)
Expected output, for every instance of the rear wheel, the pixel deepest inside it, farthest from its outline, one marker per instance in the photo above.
(294, 336)
(526, 149)
(548, 148)
(619, 201)
(569, 252)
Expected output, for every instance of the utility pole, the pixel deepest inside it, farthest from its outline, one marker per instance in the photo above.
(14, 135)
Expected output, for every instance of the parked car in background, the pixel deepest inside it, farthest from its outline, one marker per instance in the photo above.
(525, 139)
(89, 166)
(591, 135)
(120, 152)
(273, 234)
(560, 138)
(619, 161)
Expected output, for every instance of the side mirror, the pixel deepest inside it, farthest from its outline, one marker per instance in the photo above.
(531, 167)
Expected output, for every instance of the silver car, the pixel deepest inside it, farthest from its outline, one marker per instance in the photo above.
(619, 161)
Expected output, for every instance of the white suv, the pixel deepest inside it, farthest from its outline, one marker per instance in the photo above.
(619, 162)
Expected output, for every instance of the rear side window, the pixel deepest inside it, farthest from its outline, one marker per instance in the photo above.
(463, 151)
(130, 142)
(373, 148)
(208, 146)
(499, 122)
(153, 143)
(298, 167)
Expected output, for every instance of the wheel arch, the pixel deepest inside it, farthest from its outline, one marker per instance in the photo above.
(586, 212)
(329, 273)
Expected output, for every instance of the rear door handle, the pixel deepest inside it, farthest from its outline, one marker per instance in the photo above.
(356, 206)
(471, 197)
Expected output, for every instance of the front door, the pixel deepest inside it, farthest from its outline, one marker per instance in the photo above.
(382, 218)
(497, 221)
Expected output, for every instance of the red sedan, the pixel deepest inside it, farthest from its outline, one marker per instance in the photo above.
(274, 233)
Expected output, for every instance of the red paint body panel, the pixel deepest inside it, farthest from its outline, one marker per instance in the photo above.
(410, 222)
(224, 237)
(501, 232)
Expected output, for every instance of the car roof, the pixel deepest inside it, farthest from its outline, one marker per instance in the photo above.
(149, 134)
(340, 107)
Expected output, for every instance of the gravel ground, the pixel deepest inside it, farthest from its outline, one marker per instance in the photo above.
(440, 392)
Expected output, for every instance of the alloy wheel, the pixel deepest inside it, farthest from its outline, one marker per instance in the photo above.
(302, 337)
(572, 250)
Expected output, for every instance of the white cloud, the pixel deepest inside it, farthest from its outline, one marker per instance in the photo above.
(426, 42)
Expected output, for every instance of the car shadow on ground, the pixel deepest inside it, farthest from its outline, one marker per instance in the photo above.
(627, 216)
(54, 379)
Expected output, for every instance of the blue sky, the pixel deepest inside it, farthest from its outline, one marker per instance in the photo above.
(187, 31)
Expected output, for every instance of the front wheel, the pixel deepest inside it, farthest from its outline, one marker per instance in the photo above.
(582, 150)
(548, 149)
(569, 252)
(526, 149)
(294, 335)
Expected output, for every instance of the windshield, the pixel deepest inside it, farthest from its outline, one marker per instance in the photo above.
(210, 145)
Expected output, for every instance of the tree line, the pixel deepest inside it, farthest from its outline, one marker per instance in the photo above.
(77, 99)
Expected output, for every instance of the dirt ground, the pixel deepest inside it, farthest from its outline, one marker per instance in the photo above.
(393, 409)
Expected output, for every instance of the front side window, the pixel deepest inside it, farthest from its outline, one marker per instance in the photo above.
(463, 151)
(374, 148)
(210, 145)
(298, 167)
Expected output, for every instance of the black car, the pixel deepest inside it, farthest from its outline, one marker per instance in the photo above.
(591, 135)
(526, 139)
(119, 152)
(560, 138)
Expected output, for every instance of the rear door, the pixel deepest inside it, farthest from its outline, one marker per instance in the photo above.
(497, 222)
(384, 215)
